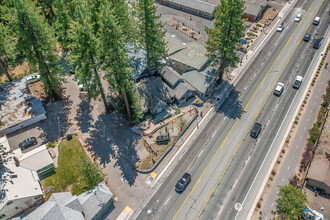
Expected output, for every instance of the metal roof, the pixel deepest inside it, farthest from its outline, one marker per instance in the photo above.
(196, 4)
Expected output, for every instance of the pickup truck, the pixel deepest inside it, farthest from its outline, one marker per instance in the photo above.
(297, 82)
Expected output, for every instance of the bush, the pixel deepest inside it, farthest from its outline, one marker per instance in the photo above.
(258, 205)
(278, 161)
(258, 25)
(314, 134)
(273, 172)
(283, 151)
(271, 178)
(51, 145)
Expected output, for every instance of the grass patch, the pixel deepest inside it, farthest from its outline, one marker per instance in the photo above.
(75, 173)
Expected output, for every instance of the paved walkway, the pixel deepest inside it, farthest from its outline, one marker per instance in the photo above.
(297, 143)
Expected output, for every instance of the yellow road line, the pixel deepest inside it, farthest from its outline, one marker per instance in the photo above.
(224, 141)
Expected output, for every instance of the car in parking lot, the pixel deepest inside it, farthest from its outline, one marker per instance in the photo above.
(183, 182)
(255, 130)
(297, 82)
(307, 37)
(317, 43)
(279, 89)
(28, 142)
(280, 28)
(316, 20)
(297, 18)
(32, 78)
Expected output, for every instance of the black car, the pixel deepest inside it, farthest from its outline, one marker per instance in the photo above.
(255, 130)
(307, 37)
(183, 182)
(28, 142)
(317, 43)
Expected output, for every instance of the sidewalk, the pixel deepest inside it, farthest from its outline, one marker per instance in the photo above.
(297, 143)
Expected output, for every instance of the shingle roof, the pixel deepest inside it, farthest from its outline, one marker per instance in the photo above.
(193, 55)
(199, 80)
(36, 159)
(170, 75)
(173, 44)
(253, 7)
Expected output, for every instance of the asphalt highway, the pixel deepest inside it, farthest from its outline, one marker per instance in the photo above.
(223, 159)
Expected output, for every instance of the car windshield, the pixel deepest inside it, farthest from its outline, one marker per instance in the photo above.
(182, 181)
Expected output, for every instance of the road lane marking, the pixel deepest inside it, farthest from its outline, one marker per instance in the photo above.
(292, 157)
(297, 146)
(288, 167)
(167, 201)
(283, 179)
(224, 141)
(213, 134)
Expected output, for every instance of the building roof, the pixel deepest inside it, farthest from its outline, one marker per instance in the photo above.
(320, 171)
(36, 159)
(152, 88)
(170, 75)
(193, 55)
(199, 80)
(17, 103)
(137, 61)
(196, 4)
(16, 181)
(59, 206)
(95, 199)
(174, 44)
(253, 7)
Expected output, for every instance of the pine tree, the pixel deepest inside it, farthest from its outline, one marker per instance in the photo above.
(62, 22)
(36, 40)
(47, 7)
(115, 62)
(225, 35)
(85, 53)
(151, 34)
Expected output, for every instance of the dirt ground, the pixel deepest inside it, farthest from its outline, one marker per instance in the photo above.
(22, 69)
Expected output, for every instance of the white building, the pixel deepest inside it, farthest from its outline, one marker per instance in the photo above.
(19, 180)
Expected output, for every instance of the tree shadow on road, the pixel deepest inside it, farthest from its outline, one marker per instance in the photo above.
(84, 117)
(228, 104)
(111, 139)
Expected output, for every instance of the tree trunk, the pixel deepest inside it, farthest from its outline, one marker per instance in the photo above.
(146, 17)
(107, 109)
(127, 106)
(221, 69)
(4, 69)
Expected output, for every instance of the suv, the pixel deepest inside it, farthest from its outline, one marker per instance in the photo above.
(255, 130)
(297, 82)
(183, 182)
(279, 89)
(307, 37)
(316, 21)
(297, 18)
(280, 28)
(317, 43)
(28, 142)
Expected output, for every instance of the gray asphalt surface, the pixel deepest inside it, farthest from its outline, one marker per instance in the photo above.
(212, 182)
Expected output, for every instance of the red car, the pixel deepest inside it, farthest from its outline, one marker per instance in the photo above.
(28, 142)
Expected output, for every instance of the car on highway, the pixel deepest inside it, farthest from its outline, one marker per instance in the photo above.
(297, 82)
(279, 89)
(183, 182)
(297, 18)
(28, 142)
(307, 37)
(317, 43)
(316, 21)
(280, 28)
(255, 130)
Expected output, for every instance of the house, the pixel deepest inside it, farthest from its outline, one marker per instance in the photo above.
(153, 94)
(202, 82)
(190, 58)
(319, 175)
(173, 44)
(89, 205)
(19, 187)
(196, 7)
(18, 107)
(254, 9)
(178, 89)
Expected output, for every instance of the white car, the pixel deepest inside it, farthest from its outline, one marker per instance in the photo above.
(297, 82)
(297, 18)
(33, 78)
(316, 21)
(279, 89)
(280, 28)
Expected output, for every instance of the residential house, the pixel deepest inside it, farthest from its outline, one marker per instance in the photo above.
(89, 205)
(319, 175)
(18, 107)
(19, 184)
(254, 9)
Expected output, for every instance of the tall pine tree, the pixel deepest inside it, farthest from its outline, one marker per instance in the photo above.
(85, 54)
(115, 62)
(225, 35)
(63, 22)
(151, 33)
(36, 39)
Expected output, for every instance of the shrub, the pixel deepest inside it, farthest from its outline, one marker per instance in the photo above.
(283, 151)
(258, 25)
(273, 172)
(258, 205)
(314, 134)
(51, 144)
(278, 161)
(271, 178)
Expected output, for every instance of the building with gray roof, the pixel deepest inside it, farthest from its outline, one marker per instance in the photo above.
(254, 9)
(174, 44)
(89, 205)
(196, 7)
(18, 107)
